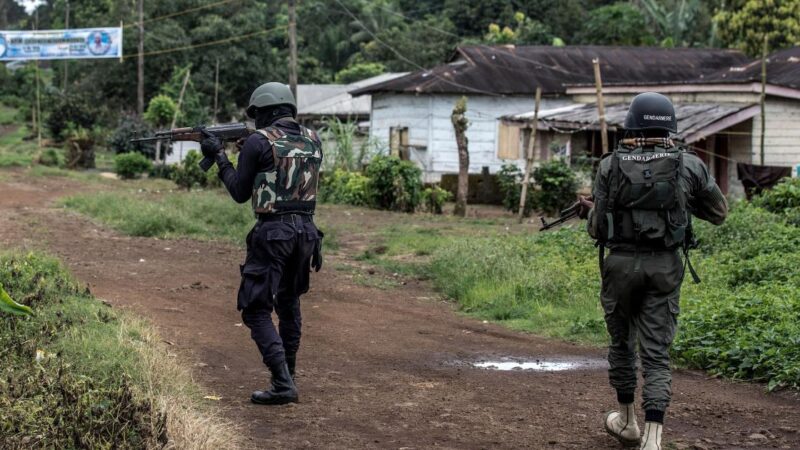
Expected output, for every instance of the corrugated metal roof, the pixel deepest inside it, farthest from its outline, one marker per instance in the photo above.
(509, 70)
(693, 118)
(783, 69)
(334, 99)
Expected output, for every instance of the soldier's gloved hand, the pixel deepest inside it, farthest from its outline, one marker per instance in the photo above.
(211, 146)
(584, 206)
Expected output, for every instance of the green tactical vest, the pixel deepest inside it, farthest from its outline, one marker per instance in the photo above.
(292, 186)
(646, 204)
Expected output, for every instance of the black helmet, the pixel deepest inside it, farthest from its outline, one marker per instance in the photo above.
(651, 111)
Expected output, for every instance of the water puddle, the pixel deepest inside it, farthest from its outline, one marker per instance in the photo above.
(553, 365)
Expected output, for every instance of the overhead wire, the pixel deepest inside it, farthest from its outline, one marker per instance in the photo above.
(206, 44)
(180, 13)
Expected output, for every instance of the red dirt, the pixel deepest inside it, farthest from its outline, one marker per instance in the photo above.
(377, 368)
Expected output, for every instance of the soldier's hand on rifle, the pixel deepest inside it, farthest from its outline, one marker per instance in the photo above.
(211, 146)
(584, 206)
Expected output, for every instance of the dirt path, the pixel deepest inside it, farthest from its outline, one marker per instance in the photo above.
(378, 368)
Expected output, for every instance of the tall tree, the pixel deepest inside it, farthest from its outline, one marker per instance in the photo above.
(460, 125)
(743, 24)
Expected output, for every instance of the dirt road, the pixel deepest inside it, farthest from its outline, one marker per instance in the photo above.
(378, 368)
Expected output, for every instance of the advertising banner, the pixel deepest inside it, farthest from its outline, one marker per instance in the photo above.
(85, 43)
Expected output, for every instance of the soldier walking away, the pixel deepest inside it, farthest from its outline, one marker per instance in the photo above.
(644, 196)
(278, 171)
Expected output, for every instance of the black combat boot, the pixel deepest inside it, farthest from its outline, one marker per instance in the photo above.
(291, 361)
(282, 389)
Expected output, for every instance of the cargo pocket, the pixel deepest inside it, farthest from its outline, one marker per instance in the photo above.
(256, 285)
(671, 319)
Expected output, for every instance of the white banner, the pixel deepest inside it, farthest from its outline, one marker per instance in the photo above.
(61, 44)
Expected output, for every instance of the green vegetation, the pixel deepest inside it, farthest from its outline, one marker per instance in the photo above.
(131, 165)
(393, 184)
(78, 374)
(201, 215)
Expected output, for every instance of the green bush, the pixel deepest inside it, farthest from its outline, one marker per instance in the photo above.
(509, 179)
(51, 157)
(557, 186)
(434, 198)
(70, 111)
(344, 187)
(188, 173)
(212, 176)
(394, 184)
(131, 126)
(783, 197)
(359, 71)
(131, 165)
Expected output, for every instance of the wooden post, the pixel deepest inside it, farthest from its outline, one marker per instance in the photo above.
(763, 94)
(66, 62)
(460, 125)
(529, 153)
(601, 114)
(140, 63)
(216, 91)
(293, 47)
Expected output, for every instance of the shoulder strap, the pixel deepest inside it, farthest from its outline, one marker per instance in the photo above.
(272, 134)
(613, 183)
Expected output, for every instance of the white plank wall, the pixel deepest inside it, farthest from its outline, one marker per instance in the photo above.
(782, 143)
(428, 120)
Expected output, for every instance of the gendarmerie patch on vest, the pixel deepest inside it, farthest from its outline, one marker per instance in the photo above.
(643, 157)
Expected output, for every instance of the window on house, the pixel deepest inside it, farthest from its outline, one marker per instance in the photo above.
(508, 142)
(398, 142)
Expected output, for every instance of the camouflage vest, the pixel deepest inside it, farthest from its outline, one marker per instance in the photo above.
(646, 204)
(292, 185)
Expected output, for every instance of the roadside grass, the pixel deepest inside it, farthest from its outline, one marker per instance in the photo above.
(79, 374)
(15, 151)
(153, 208)
(8, 115)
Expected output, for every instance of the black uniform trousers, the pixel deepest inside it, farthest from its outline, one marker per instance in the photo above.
(274, 275)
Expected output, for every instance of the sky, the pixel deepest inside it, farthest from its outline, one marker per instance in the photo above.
(30, 5)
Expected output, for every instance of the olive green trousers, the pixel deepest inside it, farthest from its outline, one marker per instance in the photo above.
(641, 297)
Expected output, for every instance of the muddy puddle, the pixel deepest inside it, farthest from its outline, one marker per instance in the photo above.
(540, 365)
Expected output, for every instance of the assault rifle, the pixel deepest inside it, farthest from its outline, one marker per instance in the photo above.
(564, 216)
(227, 132)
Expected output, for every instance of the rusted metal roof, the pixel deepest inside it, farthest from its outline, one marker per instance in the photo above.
(783, 69)
(695, 120)
(510, 70)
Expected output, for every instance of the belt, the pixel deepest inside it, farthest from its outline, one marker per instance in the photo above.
(286, 218)
(642, 250)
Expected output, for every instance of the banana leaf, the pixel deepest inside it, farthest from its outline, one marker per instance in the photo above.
(7, 305)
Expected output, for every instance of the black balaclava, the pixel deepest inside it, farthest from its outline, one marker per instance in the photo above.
(268, 115)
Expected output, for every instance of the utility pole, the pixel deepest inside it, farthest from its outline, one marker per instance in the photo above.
(529, 155)
(140, 67)
(763, 94)
(293, 47)
(38, 97)
(216, 91)
(601, 114)
(66, 62)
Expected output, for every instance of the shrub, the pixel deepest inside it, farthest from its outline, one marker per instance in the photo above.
(80, 147)
(509, 178)
(557, 186)
(188, 173)
(131, 126)
(68, 111)
(51, 157)
(344, 187)
(212, 176)
(783, 197)
(393, 184)
(434, 198)
(131, 165)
